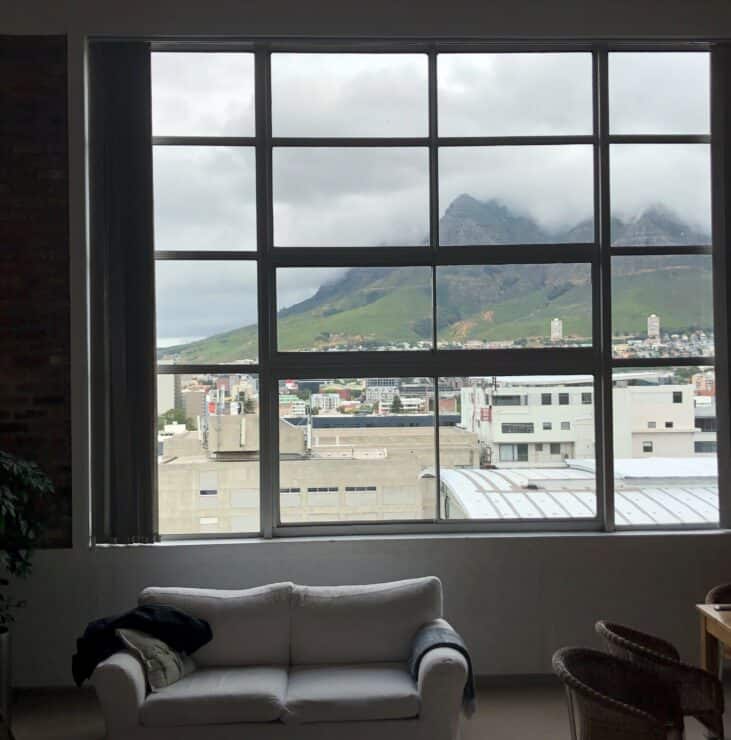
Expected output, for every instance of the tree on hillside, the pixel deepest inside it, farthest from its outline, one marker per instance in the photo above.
(396, 406)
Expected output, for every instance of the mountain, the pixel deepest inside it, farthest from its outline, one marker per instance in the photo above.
(373, 307)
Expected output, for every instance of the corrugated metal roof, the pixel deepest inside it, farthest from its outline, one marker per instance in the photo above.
(561, 493)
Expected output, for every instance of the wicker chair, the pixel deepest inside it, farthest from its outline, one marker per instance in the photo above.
(719, 594)
(700, 693)
(611, 699)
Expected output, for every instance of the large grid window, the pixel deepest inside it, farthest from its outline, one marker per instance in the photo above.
(376, 270)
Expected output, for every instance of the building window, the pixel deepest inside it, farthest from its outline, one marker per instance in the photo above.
(706, 424)
(705, 446)
(513, 453)
(354, 339)
(208, 483)
(518, 428)
(669, 425)
(651, 424)
(506, 400)
(539, 447)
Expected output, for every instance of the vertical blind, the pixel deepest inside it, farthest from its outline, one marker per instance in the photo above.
(123, 452)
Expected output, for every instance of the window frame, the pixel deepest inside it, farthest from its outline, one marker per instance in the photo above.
(596, 360)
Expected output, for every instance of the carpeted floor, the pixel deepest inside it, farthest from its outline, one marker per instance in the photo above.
(508, 710)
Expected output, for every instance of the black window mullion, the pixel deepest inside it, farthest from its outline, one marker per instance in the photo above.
(268, 467)
(604, 434)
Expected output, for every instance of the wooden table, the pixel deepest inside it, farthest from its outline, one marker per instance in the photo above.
(715, 631)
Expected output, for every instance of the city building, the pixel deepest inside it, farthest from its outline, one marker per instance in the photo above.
(556, 330)
(653, 326)
(168, 393)
(208, 480)
(325, 401)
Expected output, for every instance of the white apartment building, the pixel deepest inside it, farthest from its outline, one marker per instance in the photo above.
(653, 326)
(409, 405)
(556, 330)
(653, 420)
(381, 389)
(325, 401)
(529, 421)
(532, 420)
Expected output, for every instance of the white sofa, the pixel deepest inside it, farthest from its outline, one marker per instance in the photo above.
(301, 662)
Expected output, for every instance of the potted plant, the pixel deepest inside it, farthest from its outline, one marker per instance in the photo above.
(25, 491)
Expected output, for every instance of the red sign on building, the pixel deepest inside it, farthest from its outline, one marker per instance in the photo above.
(486, 413)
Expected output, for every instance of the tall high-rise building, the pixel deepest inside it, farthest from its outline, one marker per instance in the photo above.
(653, 326)
(556, 330)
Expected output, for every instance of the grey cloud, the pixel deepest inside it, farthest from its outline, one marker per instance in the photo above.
(677, 176)
(349, 95)
(198, 298)
(204, 198)
(514, 94)
(659, 93)
(196, 94)
(380, 196)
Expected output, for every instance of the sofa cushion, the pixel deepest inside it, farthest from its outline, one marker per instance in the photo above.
(213, 696)
(361, 624)
(250, 627)
(347, 693)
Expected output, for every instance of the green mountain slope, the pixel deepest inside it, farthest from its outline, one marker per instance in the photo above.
(373, 307)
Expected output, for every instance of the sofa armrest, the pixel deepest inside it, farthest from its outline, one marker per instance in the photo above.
(121, 687)
(441, 680)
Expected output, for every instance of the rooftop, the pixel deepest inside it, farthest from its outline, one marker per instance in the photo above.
(649, 491)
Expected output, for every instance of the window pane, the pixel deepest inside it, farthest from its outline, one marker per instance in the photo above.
(360, 449)
(665, 474)
(662, 306)
(351, 197)
(363, 308)
(531, 465)
(206, 311)
(349, 95)
(195, 94)
(661, 194)
(498, 306)
(659, 93)
(205, 198)
(208, 453)
(514, 94)
(516, 195)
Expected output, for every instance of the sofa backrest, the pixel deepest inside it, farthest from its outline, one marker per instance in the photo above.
(250, 627)
(361, 624)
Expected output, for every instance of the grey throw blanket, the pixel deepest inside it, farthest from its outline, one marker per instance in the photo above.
(435, 635)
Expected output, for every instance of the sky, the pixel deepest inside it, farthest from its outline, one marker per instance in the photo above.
(205, 196)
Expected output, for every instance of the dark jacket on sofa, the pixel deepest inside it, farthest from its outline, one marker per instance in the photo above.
(183, 633)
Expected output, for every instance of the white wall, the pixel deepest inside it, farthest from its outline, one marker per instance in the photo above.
(515, 598)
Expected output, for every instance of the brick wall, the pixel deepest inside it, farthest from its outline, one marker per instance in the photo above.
(34, 263)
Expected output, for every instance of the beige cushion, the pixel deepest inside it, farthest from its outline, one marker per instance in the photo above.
(250, 627)
(374, 691)
(162, 665)
(361, 624)
(213, 696)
